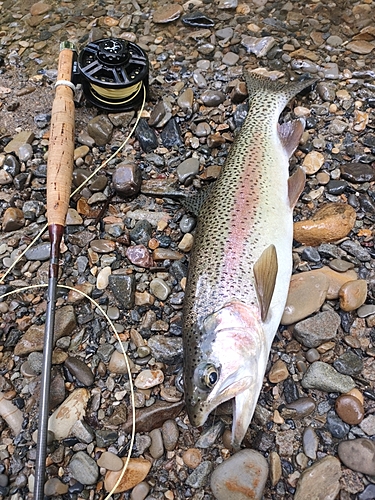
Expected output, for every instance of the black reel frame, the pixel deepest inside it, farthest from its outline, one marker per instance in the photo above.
(112, 73)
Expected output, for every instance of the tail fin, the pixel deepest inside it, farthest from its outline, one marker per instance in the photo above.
(259, 84)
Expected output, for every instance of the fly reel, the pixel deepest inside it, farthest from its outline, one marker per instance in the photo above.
(113, 74)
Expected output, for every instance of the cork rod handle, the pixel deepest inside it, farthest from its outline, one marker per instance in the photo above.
(61, 145)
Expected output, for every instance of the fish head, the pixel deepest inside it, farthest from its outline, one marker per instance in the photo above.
(229, 362)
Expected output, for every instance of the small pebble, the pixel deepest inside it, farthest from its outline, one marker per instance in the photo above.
(324, 377)
(328, 471)
(192, 457)
(353, 295)
(149, 378)
(349, 409)
(358, 455)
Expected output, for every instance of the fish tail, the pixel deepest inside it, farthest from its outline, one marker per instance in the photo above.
(259, 85)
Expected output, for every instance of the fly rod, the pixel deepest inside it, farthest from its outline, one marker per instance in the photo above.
(59, 179)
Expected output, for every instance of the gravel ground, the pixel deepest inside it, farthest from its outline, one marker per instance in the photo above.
(314, 425)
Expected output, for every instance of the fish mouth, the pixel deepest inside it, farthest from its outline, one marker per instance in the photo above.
(198, 410)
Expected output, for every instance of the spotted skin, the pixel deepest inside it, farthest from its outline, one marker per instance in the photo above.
(247, 210)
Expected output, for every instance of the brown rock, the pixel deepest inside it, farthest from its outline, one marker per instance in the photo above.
(336, 280)
(312, 162)
(13, 219)
(321, 480)
(137, 470)
(278, 372)
(352, 295)
(307, 293)
(349, 409)
(167, 14)
(360, 47)
(330, 223)
(152, 417)
(127, 179)
(39, 8)
(192, 457)
(32, 340)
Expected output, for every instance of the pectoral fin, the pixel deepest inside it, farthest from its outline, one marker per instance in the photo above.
(296, 183)
(265, 272)
(290, 134)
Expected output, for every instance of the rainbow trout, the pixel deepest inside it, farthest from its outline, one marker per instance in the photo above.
(241, 262)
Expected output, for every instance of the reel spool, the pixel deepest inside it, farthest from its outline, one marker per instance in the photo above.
(113, 73)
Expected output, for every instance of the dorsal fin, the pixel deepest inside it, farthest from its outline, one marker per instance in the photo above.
(290, 134)
(265, 273)
(296, 183)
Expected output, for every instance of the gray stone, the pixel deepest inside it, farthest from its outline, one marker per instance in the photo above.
(166, 349)
(123, 288)
(320, 328)
(187, 168)
(39, 252)
(84, 469)
(198, 478)
(358, 455)
(324, 377)
(80, 370)
(82, 431)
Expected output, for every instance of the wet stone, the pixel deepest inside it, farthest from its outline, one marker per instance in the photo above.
(337, 427)
(54, 487)
(154, 416)
(210, 436)
(318, 329)
(100, 129)
(110, 461)
(353, 294)
(358, 455)
(278, 372)
(323, 478)
(187, 168)
(258, 46)
(199, 477)
(170, 433)
(103, 246)
(139, 256)
(140, 491)
(300, 408)
(197, 19)
(366, 310)
(311, 254)
(146, 136)
(313, 162)
(349, 363)
(340, 265)
(38, 252)
(324, 377)
(149, 378)
(171, 135)
(166, 349)
(156, 448)
(336, 187)
(349, 409)
(212, 98)
(11, 165)
(127, 179)
(357, 172)
(141, 232)
(307, 293)
(80, 370)
(355, 248)
(187, 223)
(137, 470)
(83, 468)
(13, 219)
(123, 288)
(243, 475)
(82, 431)
(192, 457)
(160, 289)
(185, 100)
(167, 14)
(368, 425)
(368, 493)
(310, 442)
(330, 223)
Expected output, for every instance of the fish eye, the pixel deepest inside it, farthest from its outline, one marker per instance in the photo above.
(209, 375)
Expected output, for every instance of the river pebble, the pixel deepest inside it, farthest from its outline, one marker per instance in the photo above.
(352, 295)
(199, 477)
(330, 223)
(83, 468)
(80, 370)
(127, 179)
(278, 372)
(358, 455)
(324, 377)
(310, 442)
(322, 478)
(54, 487)
(170, 433)
(349, 409)
(314, 331)
(349, 363)
(100, 129)
(307, 292)
(136, 472)
(110, 461)
(160, 289)
(149, 378)
(242, 476)
(71, 410)
(13, 219)
(368, 425)
(187, 169)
